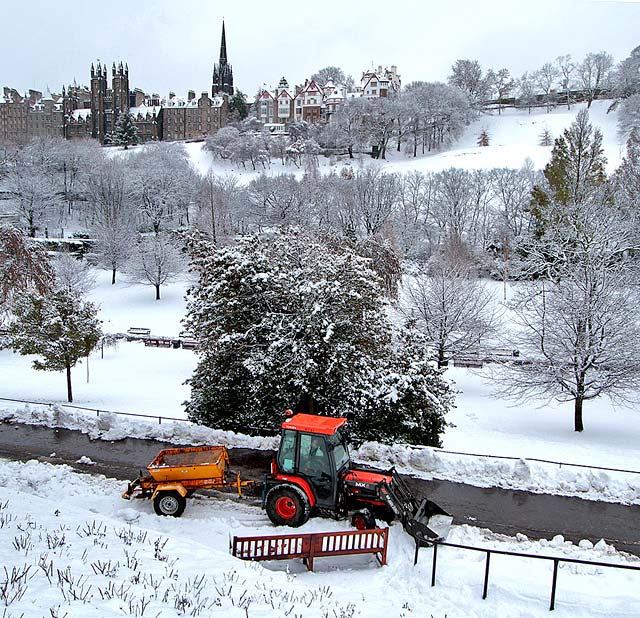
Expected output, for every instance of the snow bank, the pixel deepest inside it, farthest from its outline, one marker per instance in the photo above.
(108, 426)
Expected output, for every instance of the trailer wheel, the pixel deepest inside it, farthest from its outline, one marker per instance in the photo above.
(169, 503)
(287, 505)
(363, 520)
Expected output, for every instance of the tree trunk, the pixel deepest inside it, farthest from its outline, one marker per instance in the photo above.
(113, 276)
(350, 151)
(441, 359)
(578, 426)
(157, 292)
(69, 391)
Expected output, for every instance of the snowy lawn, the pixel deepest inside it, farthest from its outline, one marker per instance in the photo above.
(85, 552)
(514, 137)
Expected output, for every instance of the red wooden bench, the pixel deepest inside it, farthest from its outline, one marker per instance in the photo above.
(311, 546)
(158, 342)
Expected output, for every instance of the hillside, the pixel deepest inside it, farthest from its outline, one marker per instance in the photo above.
(514, 136)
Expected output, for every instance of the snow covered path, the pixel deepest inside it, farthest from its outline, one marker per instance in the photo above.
(502, 511)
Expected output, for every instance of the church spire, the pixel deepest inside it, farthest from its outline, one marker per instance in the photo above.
(222, 71)
(223, 48)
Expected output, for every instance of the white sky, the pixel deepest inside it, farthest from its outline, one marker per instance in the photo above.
(172, 45)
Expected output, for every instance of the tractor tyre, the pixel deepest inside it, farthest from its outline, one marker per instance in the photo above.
(169, 503)
(363, 520)
(287, 505)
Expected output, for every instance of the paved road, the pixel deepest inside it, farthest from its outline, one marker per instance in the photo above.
(500, 510)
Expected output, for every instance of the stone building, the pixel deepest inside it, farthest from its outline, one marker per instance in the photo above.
(193, 118)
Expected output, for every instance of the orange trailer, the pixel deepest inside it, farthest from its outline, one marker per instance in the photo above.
(176, 473)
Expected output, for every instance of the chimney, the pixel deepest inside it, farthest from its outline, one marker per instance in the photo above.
(191, 95)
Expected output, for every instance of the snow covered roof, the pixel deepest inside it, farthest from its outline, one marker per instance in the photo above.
(145, 110)
(81, 114)
(175, 101)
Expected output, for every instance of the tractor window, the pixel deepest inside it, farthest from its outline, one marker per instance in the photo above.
(314, 459)
(287, 453)
(340, 451)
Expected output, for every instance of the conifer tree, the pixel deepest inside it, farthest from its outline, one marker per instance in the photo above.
(125, 132)
(238, 107)
(483, 138)
(286, 323)
(58, 327)
(546, 139)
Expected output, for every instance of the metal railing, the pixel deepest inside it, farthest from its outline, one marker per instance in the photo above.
(485, 590)
(98, 411)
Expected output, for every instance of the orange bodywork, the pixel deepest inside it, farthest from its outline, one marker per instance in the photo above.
(311, 423)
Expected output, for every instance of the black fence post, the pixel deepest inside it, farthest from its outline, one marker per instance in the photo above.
(415, 557)
(433, 568)
(486, 576)
(553, 585)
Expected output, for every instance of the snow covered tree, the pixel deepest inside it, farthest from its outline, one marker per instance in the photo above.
(125, 132)
(545, 78)
(594, 73)
(36, 197)
(218, 206)
(23, 266)
(108, 190)
(73, 275)
(526, 91)
(467, 75)
(286, 323)
(450, 307)
(629, 117)
(566, 69)
(221, 144)
(163, 184)
(627, 76)
(335, 74)
(155, 260)
(579, 331)
(546, 139)
(483, 138)
(504, 85)
(58, 327)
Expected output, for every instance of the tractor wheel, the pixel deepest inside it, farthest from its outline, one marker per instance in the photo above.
(363, 520)
(169, 503)
(286, 505)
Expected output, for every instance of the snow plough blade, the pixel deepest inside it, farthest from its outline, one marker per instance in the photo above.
(424, 521)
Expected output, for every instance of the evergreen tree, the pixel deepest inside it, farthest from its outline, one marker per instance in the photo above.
(58, 327)
(546, 139)
(483, 138)
(238, 108)
(574, 173)
(125, 132)
(285, 323)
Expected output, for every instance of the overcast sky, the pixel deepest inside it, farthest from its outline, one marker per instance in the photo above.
(172, 44)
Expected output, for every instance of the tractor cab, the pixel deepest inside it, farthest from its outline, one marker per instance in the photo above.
(314, 449)
(312, 474)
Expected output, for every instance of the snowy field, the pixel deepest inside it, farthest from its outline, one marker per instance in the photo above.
(86, 553)
(514, 137)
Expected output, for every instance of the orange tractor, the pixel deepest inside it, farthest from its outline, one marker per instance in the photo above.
(312, 474)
